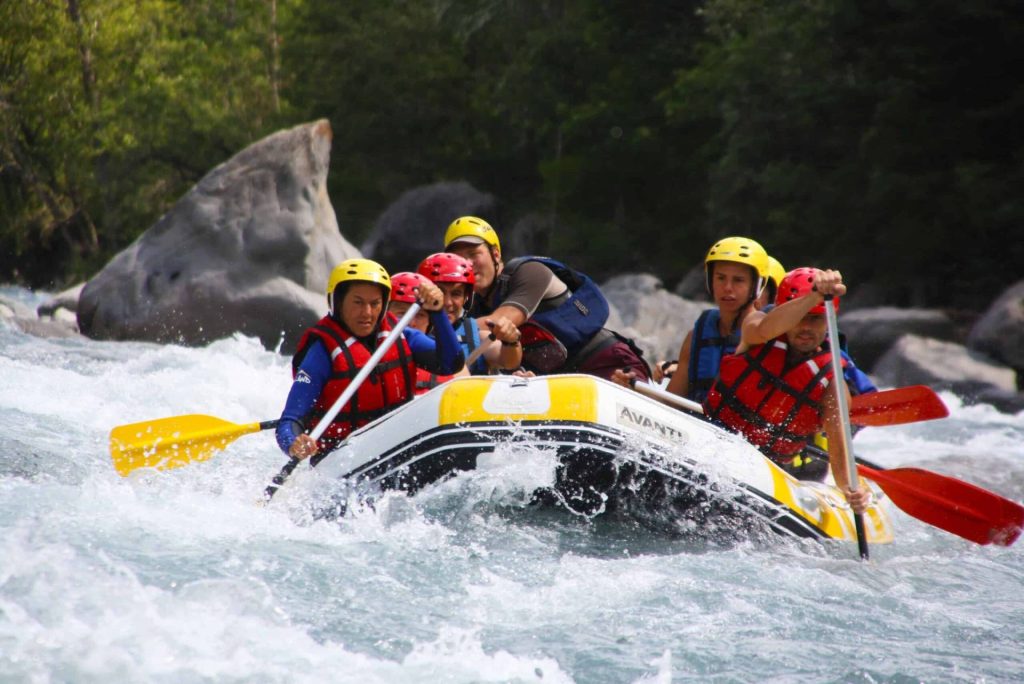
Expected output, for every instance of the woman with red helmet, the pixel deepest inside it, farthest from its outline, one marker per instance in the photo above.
(403, 295)
(454, 275)
(775, 390)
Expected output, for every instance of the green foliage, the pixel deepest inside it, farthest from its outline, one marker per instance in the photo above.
(111, 110)
(853, 133)
(881, 138)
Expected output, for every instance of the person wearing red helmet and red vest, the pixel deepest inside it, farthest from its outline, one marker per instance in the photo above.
(456, 278)
(331, 353)
(404, 286)
(403, 295)
(776, 389)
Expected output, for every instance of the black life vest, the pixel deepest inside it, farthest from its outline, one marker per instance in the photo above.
(560, 329)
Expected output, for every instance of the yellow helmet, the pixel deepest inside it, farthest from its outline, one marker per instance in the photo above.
(361, 270)
(739, 250)
(776, 272)
(471, 229)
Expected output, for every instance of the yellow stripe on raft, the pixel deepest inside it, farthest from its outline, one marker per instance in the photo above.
(826, 508)
(472, 400)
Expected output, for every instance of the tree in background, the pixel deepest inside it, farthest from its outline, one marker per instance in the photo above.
(879, 137)
(111, 110)
(550, 105)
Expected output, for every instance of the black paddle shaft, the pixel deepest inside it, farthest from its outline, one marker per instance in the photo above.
(280, 478)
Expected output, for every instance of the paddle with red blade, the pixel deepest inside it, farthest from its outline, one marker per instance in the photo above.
(953, 505)
(897, 406)
(950, 504)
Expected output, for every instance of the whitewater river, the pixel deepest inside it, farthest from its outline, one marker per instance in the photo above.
(180, 577)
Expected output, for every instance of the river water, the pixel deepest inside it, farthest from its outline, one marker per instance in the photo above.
(180, 577)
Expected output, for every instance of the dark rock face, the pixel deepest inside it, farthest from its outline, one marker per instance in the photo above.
(656, 319)
(943, 365)
(1000, 331)
(413, 226)
(871, 332)
(249, 249)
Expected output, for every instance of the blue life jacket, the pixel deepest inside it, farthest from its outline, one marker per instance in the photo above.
(575, 318)
(857, 379)
(707, 347)
(469, 335)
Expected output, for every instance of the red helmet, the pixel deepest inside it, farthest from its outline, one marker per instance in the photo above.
(797, 283)
(446, 267)
(403, 284)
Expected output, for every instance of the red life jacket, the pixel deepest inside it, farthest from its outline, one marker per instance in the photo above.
(426, 381)
(389, 385)
(777, 409)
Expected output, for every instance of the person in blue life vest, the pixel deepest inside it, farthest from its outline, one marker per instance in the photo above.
(664, 370)
(777, 388)
(501, 350)
(560, 312)
(736, 271)
(332, 352)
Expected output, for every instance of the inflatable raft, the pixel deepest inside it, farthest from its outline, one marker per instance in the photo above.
(615, 449)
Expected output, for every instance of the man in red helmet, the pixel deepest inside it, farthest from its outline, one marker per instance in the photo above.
(498, 347)
(776, 390)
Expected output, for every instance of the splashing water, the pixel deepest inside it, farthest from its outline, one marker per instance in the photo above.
(179, 577)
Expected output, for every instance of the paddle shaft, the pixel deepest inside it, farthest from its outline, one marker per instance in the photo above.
(845, 436)
(352, 388)
(865, 410)
(480, 350)
(655, 392)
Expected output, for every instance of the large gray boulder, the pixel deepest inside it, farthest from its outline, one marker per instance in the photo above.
(916, 360)
(413, 226)
(1000, 331)
(249, 249)
(871, 332)
(693, 286)
(656, 319)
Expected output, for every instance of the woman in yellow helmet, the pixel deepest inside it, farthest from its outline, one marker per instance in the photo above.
(776, 272)
(736, 270)
(332, 352)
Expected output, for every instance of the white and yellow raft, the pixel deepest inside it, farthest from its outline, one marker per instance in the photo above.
(616, 448)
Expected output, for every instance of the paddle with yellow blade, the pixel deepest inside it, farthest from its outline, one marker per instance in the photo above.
(167, 443)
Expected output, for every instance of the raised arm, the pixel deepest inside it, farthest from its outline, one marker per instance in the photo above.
(760, 327)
